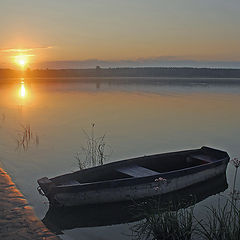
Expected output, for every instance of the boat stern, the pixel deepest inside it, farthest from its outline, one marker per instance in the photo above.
(46, 186)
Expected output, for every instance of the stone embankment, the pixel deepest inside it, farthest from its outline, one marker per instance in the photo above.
(17, 218)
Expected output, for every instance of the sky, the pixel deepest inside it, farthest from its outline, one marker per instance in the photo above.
(109, 33)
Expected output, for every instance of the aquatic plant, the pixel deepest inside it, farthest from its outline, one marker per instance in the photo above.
(160, 181)
(25, 137)
(93, 153)
(2, 119)
(159, 223)
(81, 164)
(236, 163)
(223, 222)
(220, 223)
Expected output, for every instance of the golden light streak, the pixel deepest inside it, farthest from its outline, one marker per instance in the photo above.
(22, 50)
(22, 91)
(16, 50)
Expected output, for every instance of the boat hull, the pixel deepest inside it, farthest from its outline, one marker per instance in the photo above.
(168, 183)
(59, 219)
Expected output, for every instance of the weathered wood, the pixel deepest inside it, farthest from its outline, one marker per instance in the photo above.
(137, 171)
(136, 178)
(70, 183)
(203, 157)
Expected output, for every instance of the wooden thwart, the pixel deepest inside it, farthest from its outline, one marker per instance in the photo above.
(137, 171)
(203, 157)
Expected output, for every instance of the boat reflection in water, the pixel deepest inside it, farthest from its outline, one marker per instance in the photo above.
(65, 218)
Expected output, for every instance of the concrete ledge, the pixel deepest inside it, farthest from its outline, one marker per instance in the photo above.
(17, 218)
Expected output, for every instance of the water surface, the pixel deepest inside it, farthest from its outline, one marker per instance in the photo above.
(137, 118)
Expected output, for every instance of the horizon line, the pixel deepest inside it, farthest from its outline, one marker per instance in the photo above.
(121, 67)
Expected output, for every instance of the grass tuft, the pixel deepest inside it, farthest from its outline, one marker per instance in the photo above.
(93, 153)
(26, 137)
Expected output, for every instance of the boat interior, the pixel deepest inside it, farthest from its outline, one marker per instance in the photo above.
(139, 167)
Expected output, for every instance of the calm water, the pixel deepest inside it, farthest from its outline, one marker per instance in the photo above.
(138, 119)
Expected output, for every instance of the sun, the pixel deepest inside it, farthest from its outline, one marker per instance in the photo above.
(21, 60)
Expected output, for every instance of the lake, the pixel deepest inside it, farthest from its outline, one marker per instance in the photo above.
(138, 118)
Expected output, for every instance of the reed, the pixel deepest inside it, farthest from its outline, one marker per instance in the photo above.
(165, 223)
(94, 152)
(2, 119)
(25, 137)
(222, 222)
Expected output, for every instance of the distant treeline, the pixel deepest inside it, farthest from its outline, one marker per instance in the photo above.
(126, 72)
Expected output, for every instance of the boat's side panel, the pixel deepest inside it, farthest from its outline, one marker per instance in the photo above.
(138, 191)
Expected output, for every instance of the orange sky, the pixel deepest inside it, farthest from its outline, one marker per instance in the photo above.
(119, 30)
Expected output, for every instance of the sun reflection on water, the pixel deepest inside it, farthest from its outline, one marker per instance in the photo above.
(22, 90)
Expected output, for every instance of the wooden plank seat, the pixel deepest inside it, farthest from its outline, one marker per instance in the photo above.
(137, 171)
(202, 157)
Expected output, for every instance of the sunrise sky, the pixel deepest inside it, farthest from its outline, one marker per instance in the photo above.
(86, 33)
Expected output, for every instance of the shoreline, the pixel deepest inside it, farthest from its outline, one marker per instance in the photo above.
(173, 81)
(17, 218)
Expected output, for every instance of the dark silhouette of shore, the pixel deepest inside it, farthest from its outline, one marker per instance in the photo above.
(151, 72)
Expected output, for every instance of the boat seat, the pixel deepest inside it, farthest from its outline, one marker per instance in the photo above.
(137, 171)
(202, 157)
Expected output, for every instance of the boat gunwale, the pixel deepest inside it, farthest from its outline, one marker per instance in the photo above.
(138, 180)
(127, 160)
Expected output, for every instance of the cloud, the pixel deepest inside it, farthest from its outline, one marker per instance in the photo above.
(23, 55)
(23, 50)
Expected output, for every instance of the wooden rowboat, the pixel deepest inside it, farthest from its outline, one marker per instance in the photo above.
(135, 178)
(60, 219)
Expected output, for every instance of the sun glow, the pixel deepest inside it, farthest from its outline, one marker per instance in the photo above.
(21, 60)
